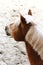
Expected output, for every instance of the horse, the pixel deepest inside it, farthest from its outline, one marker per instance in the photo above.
(19, 33)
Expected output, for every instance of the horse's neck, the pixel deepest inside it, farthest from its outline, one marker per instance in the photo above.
(33, 56)
(35, 38)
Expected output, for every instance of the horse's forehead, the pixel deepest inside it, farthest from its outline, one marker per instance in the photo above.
(28, 19)
(15, 23)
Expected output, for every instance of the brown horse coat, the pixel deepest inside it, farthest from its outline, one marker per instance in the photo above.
(21, 32)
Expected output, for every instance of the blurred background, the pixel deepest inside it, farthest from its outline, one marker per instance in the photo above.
(10, 4)
(14, 53)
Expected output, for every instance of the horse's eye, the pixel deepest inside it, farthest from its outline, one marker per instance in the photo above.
(20, 26)
(30, 24)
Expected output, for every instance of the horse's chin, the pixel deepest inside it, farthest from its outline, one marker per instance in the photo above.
(17, 39)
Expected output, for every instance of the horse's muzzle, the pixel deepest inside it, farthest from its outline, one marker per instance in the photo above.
(7, 31)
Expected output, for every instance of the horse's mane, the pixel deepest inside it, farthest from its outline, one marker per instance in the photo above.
(35, 38)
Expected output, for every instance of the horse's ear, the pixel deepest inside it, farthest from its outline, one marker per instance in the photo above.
(22, 19)
(29, 12)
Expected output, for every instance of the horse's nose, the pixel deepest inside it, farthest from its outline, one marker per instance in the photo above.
(6, 28)
(7, 31)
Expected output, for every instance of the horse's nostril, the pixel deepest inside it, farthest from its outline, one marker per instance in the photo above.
(6, 28)
(7, 31)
